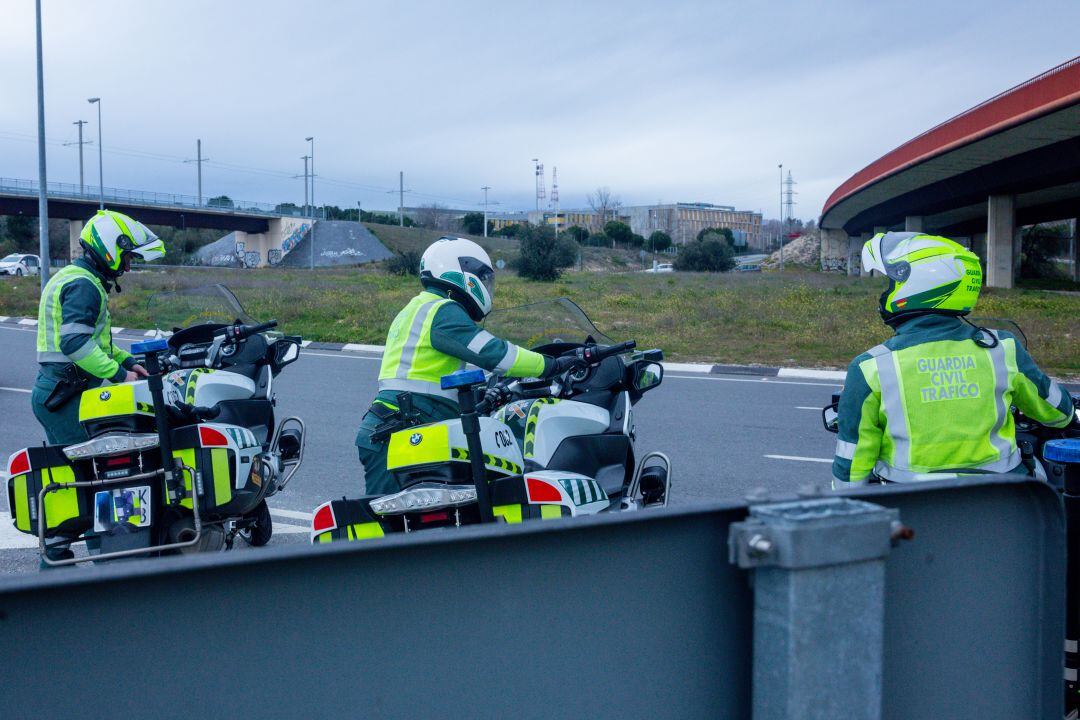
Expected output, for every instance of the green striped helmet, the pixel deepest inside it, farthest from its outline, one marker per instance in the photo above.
(111, 237)
(926, 273)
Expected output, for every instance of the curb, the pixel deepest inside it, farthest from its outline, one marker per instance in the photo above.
(761, 371)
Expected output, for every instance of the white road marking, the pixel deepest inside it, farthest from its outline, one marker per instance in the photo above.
(27, 321)
(359, 347)
(18, 390)
(19, 329)
(687, 367)
(799, 458)
(117, 331)
(12, 539)
(150, 333)
(812, 374)
(340, 355)
(294, 514)
(304, 343)
(759, 381)
(4, 318)
(807, 407)
(286, 529)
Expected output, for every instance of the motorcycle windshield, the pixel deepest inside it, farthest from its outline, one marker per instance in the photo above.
(543, 323)
(208, 304)
(993, 323)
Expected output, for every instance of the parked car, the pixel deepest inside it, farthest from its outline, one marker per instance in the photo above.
(662, 267)
(20, 264)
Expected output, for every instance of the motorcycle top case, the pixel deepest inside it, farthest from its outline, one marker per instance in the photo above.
(68, 512)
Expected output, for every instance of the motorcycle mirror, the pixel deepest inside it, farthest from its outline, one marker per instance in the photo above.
(287, 352)
(647, 376)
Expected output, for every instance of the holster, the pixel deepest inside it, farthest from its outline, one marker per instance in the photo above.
(393, 420)
(70, 385)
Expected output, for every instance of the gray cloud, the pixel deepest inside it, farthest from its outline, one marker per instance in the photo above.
(674, 101)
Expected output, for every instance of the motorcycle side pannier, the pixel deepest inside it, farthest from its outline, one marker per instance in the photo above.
(68, 512)
(220, 453)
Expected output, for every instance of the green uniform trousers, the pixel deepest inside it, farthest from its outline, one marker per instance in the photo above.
(61, 425)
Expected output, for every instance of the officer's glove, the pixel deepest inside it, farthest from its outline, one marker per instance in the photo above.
(496, 396)
(568, 362)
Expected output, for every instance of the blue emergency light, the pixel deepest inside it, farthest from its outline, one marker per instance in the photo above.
(149, 346)
(462, 378)
(1065, 450)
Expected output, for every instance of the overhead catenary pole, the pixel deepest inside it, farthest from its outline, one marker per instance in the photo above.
(199, 159)
(313, 213)
(401, 198)
(100, 162)
(781, 166)
(80, 143)
(485, 189)
(43, 201)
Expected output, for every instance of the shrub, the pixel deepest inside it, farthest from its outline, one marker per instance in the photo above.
(542, 256)
(473, 223)
(599, 240)
(659, 241)
(510, 231)
(709, 255)
(579, 233)
(619, 232)
(404, 263)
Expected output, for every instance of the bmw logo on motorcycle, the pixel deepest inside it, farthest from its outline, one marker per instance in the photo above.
(105, 395)
(416, 439)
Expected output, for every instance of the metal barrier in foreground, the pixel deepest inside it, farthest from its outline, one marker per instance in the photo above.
(638, 615)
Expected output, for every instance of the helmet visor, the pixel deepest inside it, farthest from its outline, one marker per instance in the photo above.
(482, 271)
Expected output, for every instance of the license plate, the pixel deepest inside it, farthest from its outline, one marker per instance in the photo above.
(126, 505)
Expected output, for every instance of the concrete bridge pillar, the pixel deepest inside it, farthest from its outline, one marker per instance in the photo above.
(913, 223)
(1001, 241)
(854, 258)
(75, 228)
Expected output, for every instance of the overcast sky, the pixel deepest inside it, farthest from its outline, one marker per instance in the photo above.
(660, 101)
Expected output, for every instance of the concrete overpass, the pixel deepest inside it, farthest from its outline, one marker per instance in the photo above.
(267, 234)
(1010, 161)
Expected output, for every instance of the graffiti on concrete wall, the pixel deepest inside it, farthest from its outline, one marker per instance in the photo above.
(251, 259)
(347, 252)
(273, 257)
(294, 237)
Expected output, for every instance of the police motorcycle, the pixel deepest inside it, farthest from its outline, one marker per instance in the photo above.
(521, 449)
(208, 405)
(1051, 455)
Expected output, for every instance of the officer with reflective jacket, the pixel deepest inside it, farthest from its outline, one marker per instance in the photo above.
(936, 396)
(74, 334)
(435, 335)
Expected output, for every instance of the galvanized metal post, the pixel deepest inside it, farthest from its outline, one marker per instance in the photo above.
(43, 184)
(819, 606)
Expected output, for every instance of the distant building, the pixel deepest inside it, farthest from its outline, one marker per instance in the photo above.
(500, 220)
(588, 218)
(683, 221)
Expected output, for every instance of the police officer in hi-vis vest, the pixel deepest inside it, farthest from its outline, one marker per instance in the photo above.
(74, 335)
(936, 397)
(435, 335)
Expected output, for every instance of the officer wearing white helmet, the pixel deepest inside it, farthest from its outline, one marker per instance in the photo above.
(434, 335)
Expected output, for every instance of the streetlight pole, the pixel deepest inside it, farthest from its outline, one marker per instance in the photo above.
(485, 189)
(43, 201)
(359, 212)
(401, 198)
(101, 169)
(312, 141)
(781, 166)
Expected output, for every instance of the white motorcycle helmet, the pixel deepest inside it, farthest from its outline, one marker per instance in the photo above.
(463, 269)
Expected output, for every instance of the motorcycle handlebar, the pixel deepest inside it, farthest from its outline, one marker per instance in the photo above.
(242, 332)
(595, 354)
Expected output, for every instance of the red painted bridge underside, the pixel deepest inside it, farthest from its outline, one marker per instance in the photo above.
(1044, 93)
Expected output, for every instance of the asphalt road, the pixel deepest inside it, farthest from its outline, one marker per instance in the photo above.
(726, 435)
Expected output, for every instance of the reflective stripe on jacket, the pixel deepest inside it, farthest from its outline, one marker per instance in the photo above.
(433, 336)
(74, 324)
(931, 399)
